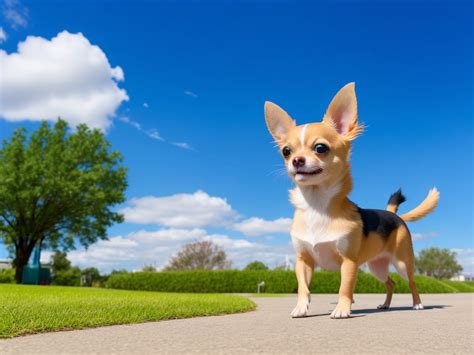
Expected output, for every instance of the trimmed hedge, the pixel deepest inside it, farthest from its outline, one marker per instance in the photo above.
(460, 286)
(238, 281)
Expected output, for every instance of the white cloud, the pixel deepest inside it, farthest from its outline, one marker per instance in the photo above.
(66, 76)
(140, 248)
(46, 256)
(153, 133)
(465, 257)
(421, 236)
(166, 235)
(181, 210)
(228, 243)
(190, 93)
(145, 105)
(184, 217)
(183, 145)
(257, 226)
(3, 35)
(15, 14)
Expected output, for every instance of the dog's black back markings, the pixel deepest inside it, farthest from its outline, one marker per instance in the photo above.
(379, 221)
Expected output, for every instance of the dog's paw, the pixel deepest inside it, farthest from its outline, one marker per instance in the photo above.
(383, 306)
(301, 309)
(418, 306)
(340, 313)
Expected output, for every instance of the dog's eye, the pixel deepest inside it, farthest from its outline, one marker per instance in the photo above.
(321, 148)
(286, 151)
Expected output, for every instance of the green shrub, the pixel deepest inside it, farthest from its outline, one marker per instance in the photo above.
(460, 286)
(68, 277)
(7, 276)
(237, 281)
(256, 266)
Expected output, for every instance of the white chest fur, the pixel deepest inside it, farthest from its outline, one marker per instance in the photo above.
(316, 226)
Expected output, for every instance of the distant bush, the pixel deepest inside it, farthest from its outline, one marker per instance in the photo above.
(237, 281)
(256, 266)
(68, 277)
(7, 276)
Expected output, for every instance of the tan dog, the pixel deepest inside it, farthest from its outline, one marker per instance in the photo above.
(328, 229)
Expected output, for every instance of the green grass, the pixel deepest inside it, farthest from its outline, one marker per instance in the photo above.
(35, 309)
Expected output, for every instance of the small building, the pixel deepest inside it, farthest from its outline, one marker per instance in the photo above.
(459, 277)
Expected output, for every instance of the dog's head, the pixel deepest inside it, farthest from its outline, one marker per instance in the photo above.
(318, 152)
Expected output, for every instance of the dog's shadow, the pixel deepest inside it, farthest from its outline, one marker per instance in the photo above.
(396, 309)
(358, 313)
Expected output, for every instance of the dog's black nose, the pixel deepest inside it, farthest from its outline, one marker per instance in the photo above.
(298, 162)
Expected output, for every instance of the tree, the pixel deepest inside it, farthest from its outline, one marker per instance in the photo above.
(91, 277)
(57, 188)
(63, 273)
(59, 262)
(438, 263)
(203, 255)
(69, 277)
(149, 268)
(256, 266)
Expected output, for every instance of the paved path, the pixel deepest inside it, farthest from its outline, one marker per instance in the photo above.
(444, 327)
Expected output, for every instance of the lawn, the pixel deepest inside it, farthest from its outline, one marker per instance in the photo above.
(35, 309)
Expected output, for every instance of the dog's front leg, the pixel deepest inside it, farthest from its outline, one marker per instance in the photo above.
(348, 279)
(304, 271)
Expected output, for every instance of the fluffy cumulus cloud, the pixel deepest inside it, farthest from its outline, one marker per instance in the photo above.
(465, 257)
(257, 226)
(137, 249)
(181, 219)
(66, 77)
(194, 210)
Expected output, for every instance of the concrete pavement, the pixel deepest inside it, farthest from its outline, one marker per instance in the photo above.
(444, 327)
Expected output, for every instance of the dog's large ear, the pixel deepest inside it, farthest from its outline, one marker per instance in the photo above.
(278, 121)
(342, 113)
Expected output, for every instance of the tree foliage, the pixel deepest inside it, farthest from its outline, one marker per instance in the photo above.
(7, 276)
(148, 268)
(91, 277)
(256, 266)
(438, 263)
(62, 272)
(59, 262)
(203, 255)
(57, 188)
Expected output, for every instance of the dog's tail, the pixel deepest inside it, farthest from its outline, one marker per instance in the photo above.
(395, 200)
(424, 208)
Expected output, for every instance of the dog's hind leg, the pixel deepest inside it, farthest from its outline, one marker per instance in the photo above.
(304, 270)
(379, 268)
(404, 262)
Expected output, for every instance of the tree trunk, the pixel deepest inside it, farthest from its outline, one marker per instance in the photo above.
(19, 273)
(21, 260)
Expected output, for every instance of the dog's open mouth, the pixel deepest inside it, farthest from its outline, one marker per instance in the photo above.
(310, 172)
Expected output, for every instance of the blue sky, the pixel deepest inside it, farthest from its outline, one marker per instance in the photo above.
(199, 72)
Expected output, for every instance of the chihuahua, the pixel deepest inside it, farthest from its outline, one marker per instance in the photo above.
(328, 229)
